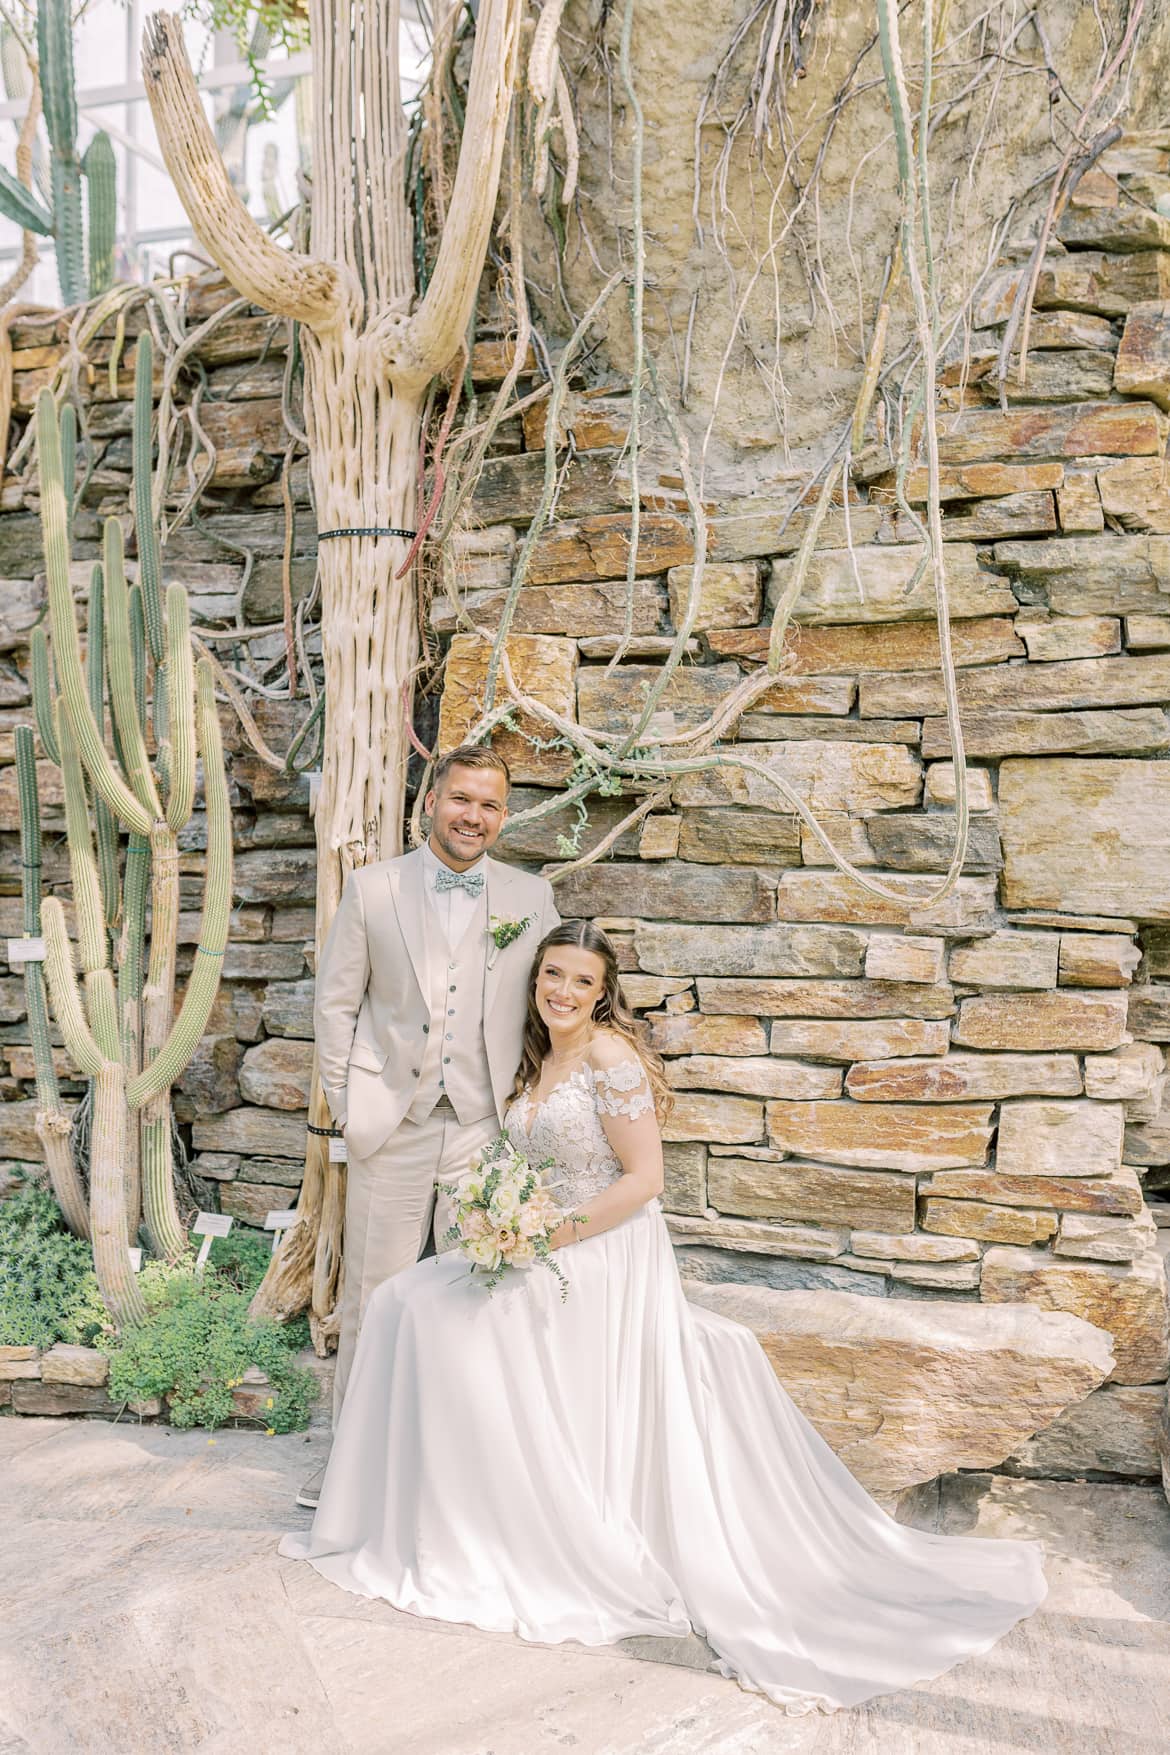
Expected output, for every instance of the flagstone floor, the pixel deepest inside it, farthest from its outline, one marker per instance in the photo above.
(144, 1611)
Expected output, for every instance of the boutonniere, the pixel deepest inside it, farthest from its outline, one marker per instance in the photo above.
(504, 933)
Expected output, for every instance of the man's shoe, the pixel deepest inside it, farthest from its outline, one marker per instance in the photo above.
(310, 1494)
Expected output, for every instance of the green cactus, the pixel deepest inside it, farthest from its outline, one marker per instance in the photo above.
(62, 217)
(119, 1023)
(101, 200)
(52, 1123)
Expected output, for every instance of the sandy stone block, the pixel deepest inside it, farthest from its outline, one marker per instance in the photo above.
(958, 1076)
(732, 835)
(251, 1202)
(1149, 1012)
(729, 1120)
(1143, 358)
(832, 695)
(581, 609)
(861, 1038)
(913, 841)
(856, 777)
(825, 999)
(796, 1242)
(1113, 1431)
(829, 896)
(1132, 1071)
(1135, 493)
(947, 1276)
(597, 547)
(1120, 1193)
(26, 1368)
(905, 1389)
(759, 1188)
(544, 667)
(1075, 683)
(904, 959)
(612, 700)
(675, 892)
(940, 786)
(1089, 959)
(915, 1247)
(278, 1073)
(1078, 504)
(729, 595)
(685, 1164)
(1055, 1138)
(1089, 836)
(659, 838)
(1128, 1301)
(696, 1033)
(848, 836)
(1052, 638)
(781, 949)
(753, 1076)
(64, 1363)
(1122, 731)
(988, 1222)
(1064, 1018)
(1105, 1239)
(888, 591)
(1007, 960)
(1147, 633)
(846, 649)
(895, 1136)
(251, 1133)
(643, 991)
(1085, 429)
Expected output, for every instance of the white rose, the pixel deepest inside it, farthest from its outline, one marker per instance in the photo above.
(505, 1203)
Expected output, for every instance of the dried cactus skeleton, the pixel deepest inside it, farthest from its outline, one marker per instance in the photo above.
(118, 1023)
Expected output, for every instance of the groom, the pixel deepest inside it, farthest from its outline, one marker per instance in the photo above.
(420, 1006)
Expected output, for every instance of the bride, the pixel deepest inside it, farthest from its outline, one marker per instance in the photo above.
(622, 1462)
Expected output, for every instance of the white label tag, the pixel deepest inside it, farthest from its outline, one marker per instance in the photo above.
(337, 1152)
(135, 1259)
(314, 779)
(212, 1225)
(207, 1226)
(25, 950)
(280, 1222)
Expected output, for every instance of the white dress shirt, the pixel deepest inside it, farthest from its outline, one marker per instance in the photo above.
(454, 909)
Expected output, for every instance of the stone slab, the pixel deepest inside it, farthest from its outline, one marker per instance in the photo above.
(1051, 1137)
(780, 949)
(1066, 1018)
(1090, 836)
(1120, 1193)
(812, 1193)
(824, 999)
(858, 1039)
(1129, 1303)
(895, 1136)
(677, 892)
(959, 1076)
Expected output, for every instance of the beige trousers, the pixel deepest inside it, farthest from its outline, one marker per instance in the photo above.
(390, 1202)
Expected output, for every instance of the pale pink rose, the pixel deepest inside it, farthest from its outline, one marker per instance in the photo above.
(475, 1225)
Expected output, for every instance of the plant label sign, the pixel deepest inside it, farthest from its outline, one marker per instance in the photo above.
(337, 1153)
(25, 950)
(207, 1226)
(136, 1259)
(280, 1221)
(314, 779)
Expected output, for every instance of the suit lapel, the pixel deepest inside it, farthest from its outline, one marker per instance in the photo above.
(410, 904)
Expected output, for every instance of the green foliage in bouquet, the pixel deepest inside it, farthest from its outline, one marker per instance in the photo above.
(195, 1344)
(48, 1291)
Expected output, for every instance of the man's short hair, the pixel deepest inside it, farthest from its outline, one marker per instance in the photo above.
(470, 755)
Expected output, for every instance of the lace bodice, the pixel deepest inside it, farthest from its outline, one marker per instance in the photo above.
(566, 1127)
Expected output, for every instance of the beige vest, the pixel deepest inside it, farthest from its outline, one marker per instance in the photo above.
(455, 1062)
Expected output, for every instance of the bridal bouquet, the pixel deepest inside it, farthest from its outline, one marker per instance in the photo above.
(504, 1214)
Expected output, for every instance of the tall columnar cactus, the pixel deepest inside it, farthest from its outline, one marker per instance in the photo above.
(63, 218)
(52, 1123)
(119, 1022)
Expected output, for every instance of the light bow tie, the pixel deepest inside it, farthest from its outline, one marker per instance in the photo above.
(471, 881)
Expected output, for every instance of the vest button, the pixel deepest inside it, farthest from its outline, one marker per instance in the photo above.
(426, 1029)
(450, 1037)
(414, 1072)
(446, 1060)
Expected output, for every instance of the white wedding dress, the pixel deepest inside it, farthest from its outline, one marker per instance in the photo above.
(624, 1463)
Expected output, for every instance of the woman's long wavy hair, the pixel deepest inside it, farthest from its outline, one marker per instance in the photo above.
(610, 1011)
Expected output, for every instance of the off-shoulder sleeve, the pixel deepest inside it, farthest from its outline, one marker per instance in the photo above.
(623, 1089)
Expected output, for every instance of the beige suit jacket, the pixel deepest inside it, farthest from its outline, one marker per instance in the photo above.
(372, 1001)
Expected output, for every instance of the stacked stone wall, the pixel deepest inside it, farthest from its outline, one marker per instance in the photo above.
(966, 1101)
